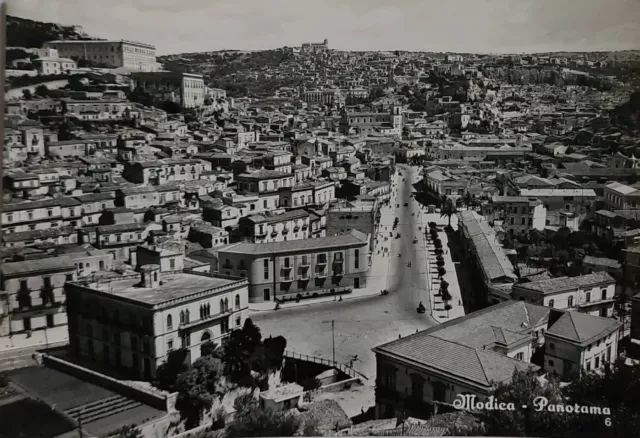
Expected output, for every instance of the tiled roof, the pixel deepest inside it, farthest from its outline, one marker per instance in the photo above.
(28, 267)
(412, 430)
(495, 263)
(461, 342)
(560, 284)
(582, 328)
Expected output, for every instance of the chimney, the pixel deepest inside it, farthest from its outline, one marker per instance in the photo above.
(150, 276)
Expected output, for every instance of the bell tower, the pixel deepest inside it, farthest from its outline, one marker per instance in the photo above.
(396, 117)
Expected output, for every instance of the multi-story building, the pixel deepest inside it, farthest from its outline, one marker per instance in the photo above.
(442, 182)
(35, 302)
(517, 214)
(40, 215)
(565, 207)
(115, 54)
(496, 274)
(99, 109)
(576, 343)
(592, 293)
(54, 65)
(144, 197)
(298, 267)
(93, 205)
(70, 148)
(264, 228)
(132, 323)
(370, 123)
(619, 196)
(161, 172)
(483, 348)
(186, 89)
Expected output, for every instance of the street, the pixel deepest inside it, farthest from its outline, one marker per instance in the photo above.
(363, 323)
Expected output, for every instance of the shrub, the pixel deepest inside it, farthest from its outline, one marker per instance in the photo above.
(441, 271)
(447, 307)
(440, 263)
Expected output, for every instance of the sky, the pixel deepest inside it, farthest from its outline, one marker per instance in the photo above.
(471, 26)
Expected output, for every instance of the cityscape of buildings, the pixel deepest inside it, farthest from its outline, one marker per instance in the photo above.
(417, 226)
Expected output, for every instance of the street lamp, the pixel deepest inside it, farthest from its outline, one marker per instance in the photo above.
(333, 341)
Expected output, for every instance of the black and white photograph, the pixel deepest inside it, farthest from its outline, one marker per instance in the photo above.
(279, 218)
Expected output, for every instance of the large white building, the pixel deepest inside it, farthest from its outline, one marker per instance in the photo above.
(133, 322)
(187, 89)
(115, 54)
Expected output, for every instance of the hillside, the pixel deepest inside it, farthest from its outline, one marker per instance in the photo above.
(22, 32)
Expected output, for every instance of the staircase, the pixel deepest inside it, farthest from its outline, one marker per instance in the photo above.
(100, 409)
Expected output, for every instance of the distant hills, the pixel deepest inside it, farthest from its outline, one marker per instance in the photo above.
(22, 32)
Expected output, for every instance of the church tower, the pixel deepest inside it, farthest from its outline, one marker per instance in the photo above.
(391, 79)
(396, 117)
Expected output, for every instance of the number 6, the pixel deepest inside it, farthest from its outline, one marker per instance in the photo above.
(607, 422)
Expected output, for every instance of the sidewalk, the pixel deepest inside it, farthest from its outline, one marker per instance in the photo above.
(439, 313)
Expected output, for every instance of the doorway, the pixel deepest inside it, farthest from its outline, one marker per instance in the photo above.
(267, 294)
(356, 283)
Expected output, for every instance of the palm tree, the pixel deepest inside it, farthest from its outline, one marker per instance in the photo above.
(467, 199)
(449, 209)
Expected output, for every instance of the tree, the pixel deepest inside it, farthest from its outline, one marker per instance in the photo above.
(251, 420)
(449, 209)
(524, 387)
(26, 94)
(42, 90)
(167, 373)
(198, 387)
(274, 351)
(467, 200)
(241, 353)
(444, 291)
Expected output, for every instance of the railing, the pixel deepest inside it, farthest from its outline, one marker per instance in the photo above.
(337, 365)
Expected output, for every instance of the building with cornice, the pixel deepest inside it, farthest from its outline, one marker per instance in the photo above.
(132, 323)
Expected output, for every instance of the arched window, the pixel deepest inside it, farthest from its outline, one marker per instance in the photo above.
(186, 317)
(208, 309)
(205, 337)
(155, 276)
(182, 317)
(169, 322)
(237, 302)
(201, 312)
(221, 306)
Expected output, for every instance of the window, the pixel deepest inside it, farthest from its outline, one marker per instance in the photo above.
(287, 262)
(266, 269)
(604, 294)
(26, 324)
(170, 345)
(550, 363)
(520, 356)
(237, 304)
(172, 263)
(182, 319)
(552, 346)
(588, 365)
(551, 303)
(588, 298)
(169, 322)
(50, 321)
(238, 321)
(597, 365)
(570, 301)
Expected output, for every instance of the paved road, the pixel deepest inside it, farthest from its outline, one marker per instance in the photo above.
(361, 324)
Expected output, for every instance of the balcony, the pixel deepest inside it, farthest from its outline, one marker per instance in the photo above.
(337, 262)
(262, 233)
(286, 279)
(321, 274)
(285, 231)
(321, 261)
(304, 227)
(274, 234)
(296, 229)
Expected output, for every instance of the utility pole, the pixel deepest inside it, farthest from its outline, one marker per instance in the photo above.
(333, 341)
